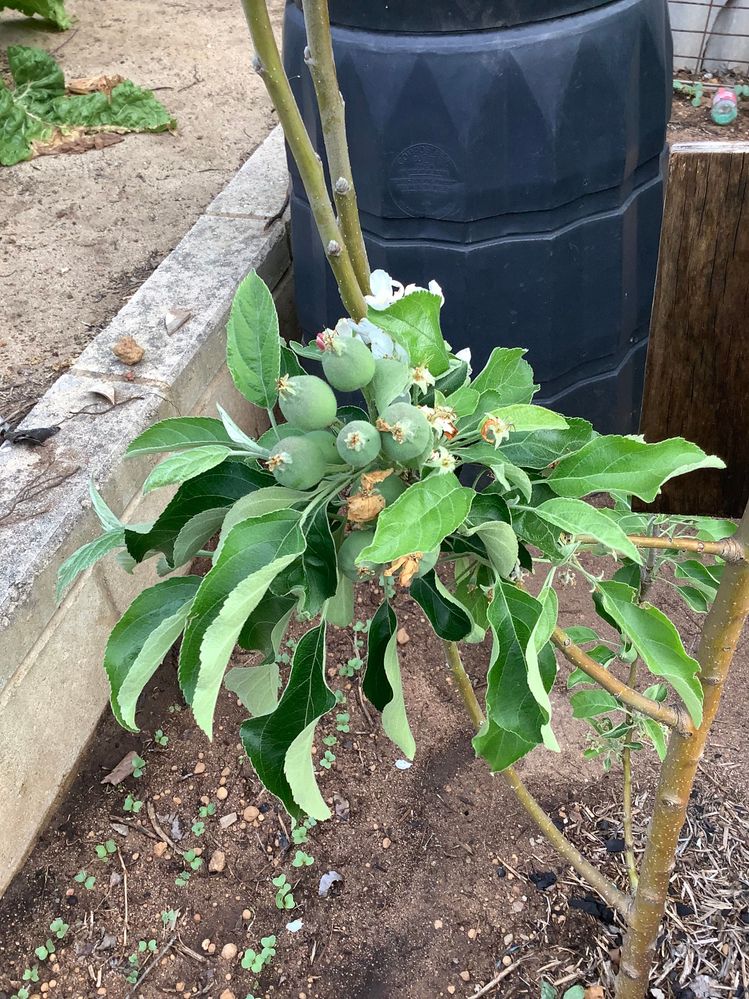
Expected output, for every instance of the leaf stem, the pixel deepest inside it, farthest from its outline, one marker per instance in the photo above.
(269, 67)
(627, 695)
(319, 59)
(598, 881)
(729, 549)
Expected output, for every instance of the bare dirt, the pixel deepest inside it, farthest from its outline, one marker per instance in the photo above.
(437, 861)
(694, 124)
(80, 233)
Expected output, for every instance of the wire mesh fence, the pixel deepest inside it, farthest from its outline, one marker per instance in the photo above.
(710, 35)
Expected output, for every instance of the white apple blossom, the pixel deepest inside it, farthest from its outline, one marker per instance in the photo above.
(422, 378)
(442, 460)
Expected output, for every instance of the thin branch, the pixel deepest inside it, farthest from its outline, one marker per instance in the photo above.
(629, 838)
(319, 58)
(621, 691)
(598, 881)
(269, 67)
(729, 549)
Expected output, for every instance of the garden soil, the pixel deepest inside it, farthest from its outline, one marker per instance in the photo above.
(437, 862)
(80, 233)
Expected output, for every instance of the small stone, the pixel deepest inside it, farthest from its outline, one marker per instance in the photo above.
(159, 849)
(212, 948)
(472, 934)
(179, 987)
(199, 767)
(466, 976)
(438, 924)
(225, 772)
(217, 863)
(507, 939)
(386, 843)
(229, 952)
(451, 990)
(402, 636)
(250, 813)
(507, 960)
(222, 794)
(227, 994)
(129, 351)
(246, 914)
(205, 944)
(196, 917)
(227, 820)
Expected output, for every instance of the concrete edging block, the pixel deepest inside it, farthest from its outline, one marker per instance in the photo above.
(52, 686)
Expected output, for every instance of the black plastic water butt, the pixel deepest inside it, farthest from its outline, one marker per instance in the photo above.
(512, 150)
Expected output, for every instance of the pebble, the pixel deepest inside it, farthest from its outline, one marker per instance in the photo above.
(472, 934)
(250, 813)
(386, 843)
(227, 994)
(438, 924)
(199, 768)
(196, 917)
(246, 914)
(179, 987)
(205, 944)
(159, 849)
(229, 952)
(227, 820)
(222, 794)
(451, 990)
(507, 939)
(466, 976)
(507, 960)
(225, 772)
(217, 862)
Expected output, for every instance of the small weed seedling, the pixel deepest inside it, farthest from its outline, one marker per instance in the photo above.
(23, 993)
(31, 974)
(160, 739)
(145, 947)
(328, 760)
(59, 927)
(255, 961)
(105, 850)
(340, 697)
(194, 862)
(139, 765)
(300, 833)
(342, 722)
(45, 950)
(174, 709)
(329, 740)
(169, 918)
(207, 810)
(132, 805)
(302, 859)
(549, 992)
(84, 878)
(284, 898)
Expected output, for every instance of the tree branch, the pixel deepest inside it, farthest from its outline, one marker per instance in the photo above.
(319, 59)
(598, 881)
(621, 691)
(268, 65)
(729, 549)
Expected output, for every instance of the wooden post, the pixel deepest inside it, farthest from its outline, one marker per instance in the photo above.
(697, 374)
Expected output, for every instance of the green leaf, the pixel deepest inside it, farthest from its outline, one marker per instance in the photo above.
(591, 703)
(414, 322)
(575, 516)
(253, 345)
(313, 576)
(501, 747)
(450, 620)
(108, 520)
(256, 686)
(537, 532)
(127, 108)
(501, 545)
(50, 10)
(289, 364)
(510, 702)
(657, 735)
(251, 558)
(278, 743)
(239, 437)
(141, 638)
(390, 381)
(420, 518)
(196, 532)
(657, 642)
(86, 556)
(700, 575)
(627, 465)
(258, 503)
(548, 991)
(184, 466)
(538, 449)
(382, 680)
(520, 417)
(220, 487)
(340, 609)
(180, 434)
(265, 628)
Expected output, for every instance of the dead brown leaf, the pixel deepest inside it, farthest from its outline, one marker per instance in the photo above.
(123, 769)
(91, 84)
(363, 508)
(370, 479)
(75, 141)
(128, 350)
(405, 567)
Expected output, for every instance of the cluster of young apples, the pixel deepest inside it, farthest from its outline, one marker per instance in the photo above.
(313, 440)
